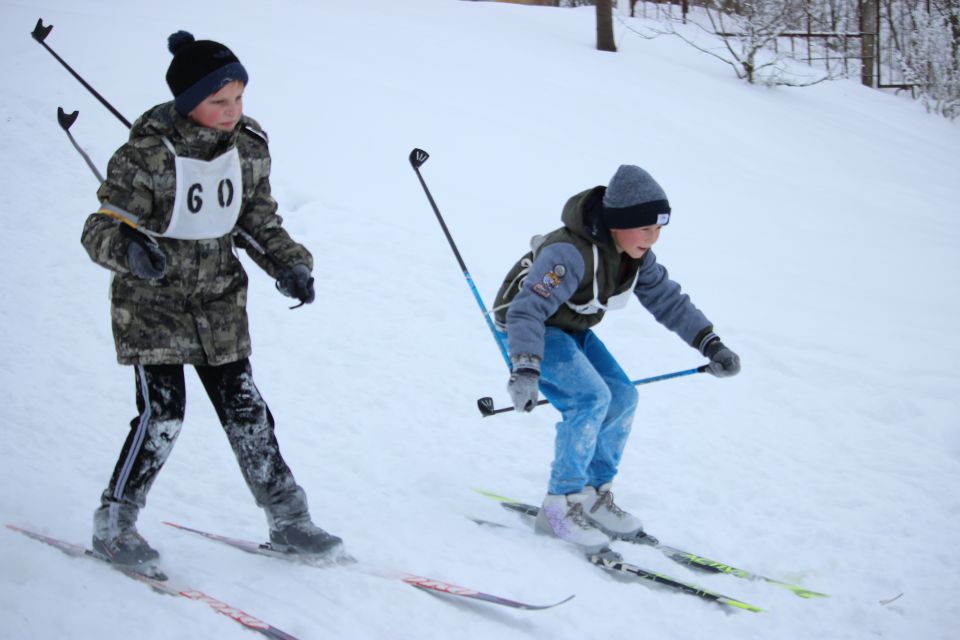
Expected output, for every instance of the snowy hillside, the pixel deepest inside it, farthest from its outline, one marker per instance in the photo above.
(817, 228)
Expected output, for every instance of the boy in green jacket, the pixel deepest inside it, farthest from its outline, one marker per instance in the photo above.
(547, 306)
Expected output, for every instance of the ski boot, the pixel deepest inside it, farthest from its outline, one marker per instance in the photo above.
(129, 551)
(562, 516)
(306, 539)
(601, 511)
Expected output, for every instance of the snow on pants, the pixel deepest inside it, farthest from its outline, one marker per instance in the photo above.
(597, 401)
(246, 419)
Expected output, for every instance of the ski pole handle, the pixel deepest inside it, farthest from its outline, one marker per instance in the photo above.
(485, 404)
(65, 121)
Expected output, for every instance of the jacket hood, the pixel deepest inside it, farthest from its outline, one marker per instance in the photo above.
(190, 139)
(583, 216)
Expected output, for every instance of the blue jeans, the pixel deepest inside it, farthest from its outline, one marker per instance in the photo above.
(597, 401)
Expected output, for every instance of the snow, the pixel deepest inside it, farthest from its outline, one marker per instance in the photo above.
(816, 227)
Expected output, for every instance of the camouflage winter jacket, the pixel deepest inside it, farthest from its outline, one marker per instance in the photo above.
(196, 314)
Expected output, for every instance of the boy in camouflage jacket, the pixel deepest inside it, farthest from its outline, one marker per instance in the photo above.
(190, 185)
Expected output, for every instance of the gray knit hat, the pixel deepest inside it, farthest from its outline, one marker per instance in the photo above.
(634, 199)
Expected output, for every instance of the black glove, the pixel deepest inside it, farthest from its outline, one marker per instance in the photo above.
(723, 362)
(146, 260)
(297, 283)
(524, 381)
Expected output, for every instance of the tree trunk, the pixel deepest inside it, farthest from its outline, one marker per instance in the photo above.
(953, 12)
(868, 41)
(605, 26)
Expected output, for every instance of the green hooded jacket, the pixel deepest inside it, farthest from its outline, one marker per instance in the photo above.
(581, 229)
(550, 285)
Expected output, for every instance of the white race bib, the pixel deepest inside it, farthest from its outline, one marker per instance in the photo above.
(618, 301)
(208, 198)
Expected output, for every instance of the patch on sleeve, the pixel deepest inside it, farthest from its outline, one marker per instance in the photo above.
(550, 281)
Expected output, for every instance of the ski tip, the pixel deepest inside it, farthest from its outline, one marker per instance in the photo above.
(887, 601)
(797, 590)
(550, 606)
(440, 588)
(495, 496)
(739, 604)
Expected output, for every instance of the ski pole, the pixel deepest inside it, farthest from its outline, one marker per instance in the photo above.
(65, 122)
(128, 227)
(486, 404)
(40, 33)
(417, 158)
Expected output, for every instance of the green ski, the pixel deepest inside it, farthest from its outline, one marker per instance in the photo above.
(685, 558)
(612, 562)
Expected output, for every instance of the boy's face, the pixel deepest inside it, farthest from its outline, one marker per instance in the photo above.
(636, 242)
(221, 110)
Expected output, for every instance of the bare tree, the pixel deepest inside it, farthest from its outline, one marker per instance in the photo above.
(916, 47)
(926, 35)
(869, 10)
(605, 26)
(605, 41)
(744, 34)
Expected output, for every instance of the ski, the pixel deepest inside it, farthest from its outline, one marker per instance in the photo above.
(163, 586)
(614, 563)
(429, 585)
(264, 548)
(686, 558)
(611, 561)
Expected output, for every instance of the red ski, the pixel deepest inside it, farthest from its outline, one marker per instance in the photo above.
(163, 586)
(426, 584)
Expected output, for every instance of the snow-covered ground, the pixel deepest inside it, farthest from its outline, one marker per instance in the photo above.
(818, 228)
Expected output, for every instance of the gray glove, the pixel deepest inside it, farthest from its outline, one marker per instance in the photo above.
(524, 381)
(297, 283)
(146, 260)
(723, 362)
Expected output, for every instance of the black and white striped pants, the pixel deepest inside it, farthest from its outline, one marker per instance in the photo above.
(247, 421)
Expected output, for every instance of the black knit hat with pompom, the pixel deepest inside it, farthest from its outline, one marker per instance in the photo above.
(199, 68)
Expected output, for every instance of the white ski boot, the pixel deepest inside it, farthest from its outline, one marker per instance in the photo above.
(600, 510)
(562, 516)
